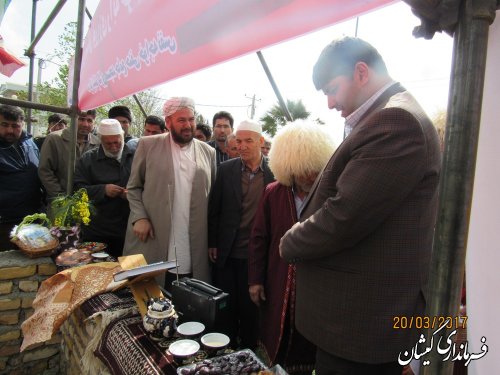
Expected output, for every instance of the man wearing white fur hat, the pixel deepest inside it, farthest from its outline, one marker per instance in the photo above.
(168, 192)
(299, 153)
(104, 172)
(234, 199)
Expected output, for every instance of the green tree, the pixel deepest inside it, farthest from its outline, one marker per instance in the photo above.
(201, 120)
(55, 91)
(275, 118)
(150, 101)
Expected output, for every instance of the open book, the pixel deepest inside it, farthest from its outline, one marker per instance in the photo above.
(146, 271)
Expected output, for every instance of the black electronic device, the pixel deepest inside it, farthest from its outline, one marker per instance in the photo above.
(196, 300)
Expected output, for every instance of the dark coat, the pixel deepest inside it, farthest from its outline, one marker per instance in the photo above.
(220, 156)
(93, 171)
(275, 215)
(224, 208)
(364, 243)
(20, 187)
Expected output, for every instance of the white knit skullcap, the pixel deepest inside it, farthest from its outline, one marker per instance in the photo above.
(110, 126)
(250, 126)
(172, 105)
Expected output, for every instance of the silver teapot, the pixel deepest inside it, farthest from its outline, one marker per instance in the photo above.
(160, 320)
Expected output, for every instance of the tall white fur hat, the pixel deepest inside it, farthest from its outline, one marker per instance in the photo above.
(110, 126)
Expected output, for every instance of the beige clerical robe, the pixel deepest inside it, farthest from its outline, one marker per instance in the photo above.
(148, 195)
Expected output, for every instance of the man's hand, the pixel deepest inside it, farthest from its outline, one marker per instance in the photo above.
(143, 229)
(212, 254)
(257, 293)
(113, 191)
(123, 195)
(280, 247)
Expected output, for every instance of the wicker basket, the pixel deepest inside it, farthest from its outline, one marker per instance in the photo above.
(34, 240)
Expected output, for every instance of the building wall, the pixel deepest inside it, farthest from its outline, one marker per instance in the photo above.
(20, 278)
(483, 249)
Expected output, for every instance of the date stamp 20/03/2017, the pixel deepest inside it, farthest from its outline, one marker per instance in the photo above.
(429, 322)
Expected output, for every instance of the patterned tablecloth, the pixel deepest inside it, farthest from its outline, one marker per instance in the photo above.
(120, 342)
(125, 347)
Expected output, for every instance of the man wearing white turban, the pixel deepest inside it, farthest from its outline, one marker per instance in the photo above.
(168, 192)
(104, 172)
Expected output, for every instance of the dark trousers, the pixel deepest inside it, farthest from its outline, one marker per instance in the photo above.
(233, 279)
(5, 229)
(328, 364)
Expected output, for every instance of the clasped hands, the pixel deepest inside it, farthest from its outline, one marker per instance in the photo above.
(113, 191)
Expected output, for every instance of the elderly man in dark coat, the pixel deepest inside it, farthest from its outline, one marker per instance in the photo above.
(234, 200)
(299, 153)
(104, 172)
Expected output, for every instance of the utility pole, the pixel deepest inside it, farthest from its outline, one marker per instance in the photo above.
(252, 112)
(41, 65)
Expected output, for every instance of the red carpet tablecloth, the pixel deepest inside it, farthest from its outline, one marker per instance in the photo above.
(126, 349)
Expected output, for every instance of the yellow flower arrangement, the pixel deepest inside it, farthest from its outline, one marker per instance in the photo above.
(68, 211)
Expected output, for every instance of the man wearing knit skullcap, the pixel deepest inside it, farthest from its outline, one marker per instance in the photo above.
(172, 167)
(124, 117)
(238, 187)
(104, 172)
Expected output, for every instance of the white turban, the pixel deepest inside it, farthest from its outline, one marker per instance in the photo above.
(110, 126)
(172, 105)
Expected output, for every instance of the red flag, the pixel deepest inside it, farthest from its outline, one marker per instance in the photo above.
(8, 62)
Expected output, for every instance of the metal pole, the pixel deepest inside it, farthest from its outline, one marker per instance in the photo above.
(74, 95)
(457, 178)
(45, 26)
(41, 107)
(140, 105)
(31, 56)
(275, 87)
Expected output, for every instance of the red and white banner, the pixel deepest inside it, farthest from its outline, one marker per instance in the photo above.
(136, 44)
(8, 62)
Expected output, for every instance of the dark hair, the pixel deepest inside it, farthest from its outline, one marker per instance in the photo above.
(11, 113)
(90, 112)
(155, 120)
(54, 118)
(223, 114)
(205, 129)
(340, 57)
(120, 110)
